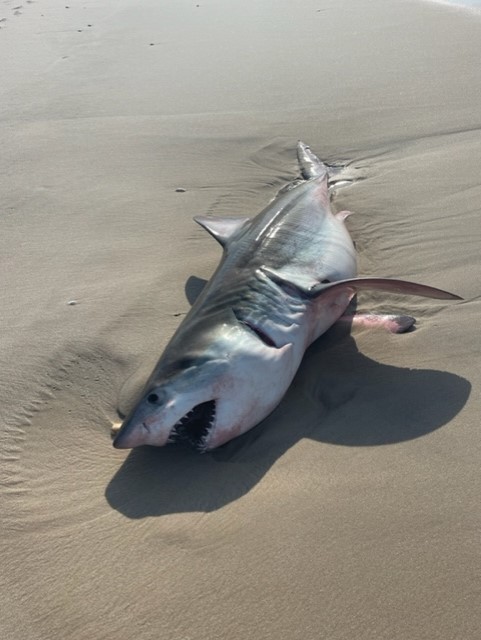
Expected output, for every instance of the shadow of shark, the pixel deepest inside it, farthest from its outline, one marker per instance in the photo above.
(337, 387)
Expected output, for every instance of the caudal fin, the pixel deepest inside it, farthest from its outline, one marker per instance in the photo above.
(310, 165)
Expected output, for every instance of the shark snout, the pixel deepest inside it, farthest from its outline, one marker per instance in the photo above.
(137, 431)
(127, 439)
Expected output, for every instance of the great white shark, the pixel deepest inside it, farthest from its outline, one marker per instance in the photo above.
(285, 277)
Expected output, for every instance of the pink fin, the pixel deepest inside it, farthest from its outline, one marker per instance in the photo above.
(221, 228)
(391, 323)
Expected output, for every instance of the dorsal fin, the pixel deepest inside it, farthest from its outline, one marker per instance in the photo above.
(221, 228)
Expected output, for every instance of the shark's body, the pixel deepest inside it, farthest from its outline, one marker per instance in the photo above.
(285, 277)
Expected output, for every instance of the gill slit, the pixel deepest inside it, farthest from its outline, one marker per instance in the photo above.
(260, 333)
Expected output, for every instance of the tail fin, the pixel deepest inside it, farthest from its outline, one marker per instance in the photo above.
(310, 165)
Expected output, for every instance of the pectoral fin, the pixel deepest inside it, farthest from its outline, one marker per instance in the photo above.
(357, 284)
(386, 284)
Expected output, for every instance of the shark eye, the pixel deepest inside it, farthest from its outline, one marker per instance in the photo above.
(152, 398)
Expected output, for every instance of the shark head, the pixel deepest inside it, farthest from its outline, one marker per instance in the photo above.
(177, 405)
(207, 395)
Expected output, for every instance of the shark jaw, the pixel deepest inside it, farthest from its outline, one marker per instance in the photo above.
(195, 427)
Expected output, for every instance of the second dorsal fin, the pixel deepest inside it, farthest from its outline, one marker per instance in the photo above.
(221, 228)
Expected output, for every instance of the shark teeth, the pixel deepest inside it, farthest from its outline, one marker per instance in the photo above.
(195, 426)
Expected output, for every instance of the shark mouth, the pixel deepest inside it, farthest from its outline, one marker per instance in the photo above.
(194, 428)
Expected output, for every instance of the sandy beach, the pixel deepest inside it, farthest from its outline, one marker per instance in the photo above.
(353, 511)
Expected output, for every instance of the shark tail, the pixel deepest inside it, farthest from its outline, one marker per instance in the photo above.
(309, 163)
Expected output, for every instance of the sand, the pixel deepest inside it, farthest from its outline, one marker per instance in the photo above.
(353, 511)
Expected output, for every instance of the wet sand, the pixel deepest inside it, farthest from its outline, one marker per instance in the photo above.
(353, 510)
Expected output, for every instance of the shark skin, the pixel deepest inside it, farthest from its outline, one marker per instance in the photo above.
(284, 278)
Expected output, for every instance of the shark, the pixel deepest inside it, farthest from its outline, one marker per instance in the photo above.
(285, 277)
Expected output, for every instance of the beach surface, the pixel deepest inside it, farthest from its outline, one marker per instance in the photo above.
(353, 511)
